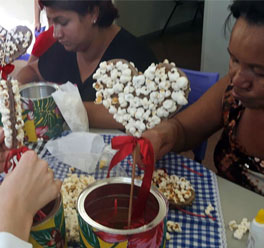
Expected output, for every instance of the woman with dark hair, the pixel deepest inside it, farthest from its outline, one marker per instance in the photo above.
(235, 103)
(86, 35)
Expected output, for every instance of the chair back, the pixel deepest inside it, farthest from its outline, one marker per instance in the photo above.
(37, 33)
(200, 82)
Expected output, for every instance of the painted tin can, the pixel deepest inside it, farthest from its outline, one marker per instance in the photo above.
(102, 215)
(41, 115)
(50, 232)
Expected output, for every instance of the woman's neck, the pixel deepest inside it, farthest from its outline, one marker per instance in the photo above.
(97, 47)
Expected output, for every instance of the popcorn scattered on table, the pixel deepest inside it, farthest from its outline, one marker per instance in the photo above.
(71, 188)
(239, 229)
(140, 101)
(172, 227)
(178, 190)
(209, 209)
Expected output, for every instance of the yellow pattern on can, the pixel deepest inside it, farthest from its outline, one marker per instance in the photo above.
(109, 245)
(45, 225)
(30, 130)
(39, 121)
(33, 242)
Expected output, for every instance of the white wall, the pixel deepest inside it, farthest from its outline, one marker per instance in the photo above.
(215, 57)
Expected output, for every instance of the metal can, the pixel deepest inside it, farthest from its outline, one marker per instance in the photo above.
(41, 115)
(50, 232)
(101, 207)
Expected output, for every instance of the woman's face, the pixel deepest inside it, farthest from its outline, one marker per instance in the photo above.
(73, 31)
(246, 66)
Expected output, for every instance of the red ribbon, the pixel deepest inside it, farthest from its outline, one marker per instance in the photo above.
(125, 146)
(7, 69)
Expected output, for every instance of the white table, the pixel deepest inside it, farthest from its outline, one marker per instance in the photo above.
(237, 203)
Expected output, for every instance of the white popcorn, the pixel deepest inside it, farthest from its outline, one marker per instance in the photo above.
(139, 113)
(239, 229)
(112, 110)
(168, 236)
(114, 74)
(147, 98)
(209, 209)
(71, 188)
(238, 234)
(103, 65)
(173, 76)
(118, 88)
(179, 97)
(232, 225)
(138, 81)
(124, 79)
(182, 82)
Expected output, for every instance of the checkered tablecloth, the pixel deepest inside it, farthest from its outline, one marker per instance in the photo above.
(196, 231)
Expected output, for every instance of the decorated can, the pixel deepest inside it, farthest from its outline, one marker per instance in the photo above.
(103, 213)
(50, 231)
(41, 115)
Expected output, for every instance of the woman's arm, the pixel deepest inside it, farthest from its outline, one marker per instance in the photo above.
(191, 126)
(29, 73)
(99, 117)
(37, 11)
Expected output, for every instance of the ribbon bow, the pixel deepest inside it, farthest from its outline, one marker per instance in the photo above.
(125, 146)
(6, 69)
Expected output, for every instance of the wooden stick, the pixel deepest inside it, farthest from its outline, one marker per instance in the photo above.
(134, 154)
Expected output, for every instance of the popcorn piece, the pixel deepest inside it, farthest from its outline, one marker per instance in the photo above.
(71, 188)
(209, 209)
(173, 226)
(168, 236)
(239, 229)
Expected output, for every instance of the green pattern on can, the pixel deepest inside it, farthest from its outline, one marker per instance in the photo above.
(88, 234)
(48, 120)
(54, 237)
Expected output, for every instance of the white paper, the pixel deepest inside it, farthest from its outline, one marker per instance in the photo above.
(69, 102)
(81, 150)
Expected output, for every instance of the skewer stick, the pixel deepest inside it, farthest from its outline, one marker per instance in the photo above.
(134, 155)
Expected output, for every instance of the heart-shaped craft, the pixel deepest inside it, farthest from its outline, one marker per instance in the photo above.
(13, 43)
(140, 101)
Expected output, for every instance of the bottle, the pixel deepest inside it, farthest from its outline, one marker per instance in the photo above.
(256, 231)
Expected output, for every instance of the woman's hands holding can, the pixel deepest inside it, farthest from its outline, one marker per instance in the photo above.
(23, 192)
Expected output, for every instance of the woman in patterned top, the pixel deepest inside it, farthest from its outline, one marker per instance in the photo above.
(235, 103)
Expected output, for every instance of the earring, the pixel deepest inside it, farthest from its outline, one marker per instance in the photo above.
(94, 21)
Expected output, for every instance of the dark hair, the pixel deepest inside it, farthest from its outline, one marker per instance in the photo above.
(252, 11)
(107, 11)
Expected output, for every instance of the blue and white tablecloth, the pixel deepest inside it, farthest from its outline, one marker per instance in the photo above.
(196, 231)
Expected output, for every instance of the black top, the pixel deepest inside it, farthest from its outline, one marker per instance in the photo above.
(59, 66)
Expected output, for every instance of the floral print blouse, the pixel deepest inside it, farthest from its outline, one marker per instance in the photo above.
(231, 159)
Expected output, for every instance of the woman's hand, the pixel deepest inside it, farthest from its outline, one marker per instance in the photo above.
(162, 138)
(25, 190)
